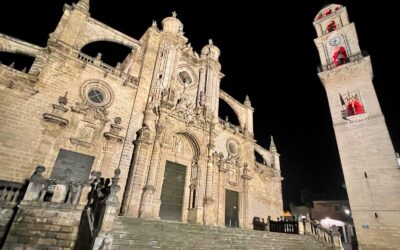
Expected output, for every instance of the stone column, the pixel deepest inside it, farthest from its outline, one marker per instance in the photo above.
(246, 178)
(148, 206)
(209, 214)
(221, 192)
(137, 173)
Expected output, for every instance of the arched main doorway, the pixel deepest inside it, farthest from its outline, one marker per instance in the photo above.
(172, 191)
(180, 179)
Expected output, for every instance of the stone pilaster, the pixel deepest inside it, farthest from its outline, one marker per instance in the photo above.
(245, 205)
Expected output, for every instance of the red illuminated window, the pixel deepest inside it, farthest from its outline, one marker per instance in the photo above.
(331, 26)
(340, 56)
(354, 106)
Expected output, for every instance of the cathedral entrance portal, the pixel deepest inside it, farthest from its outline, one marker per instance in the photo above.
(231, 208)
(172, 192)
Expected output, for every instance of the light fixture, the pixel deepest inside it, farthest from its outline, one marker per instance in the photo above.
(347, 211)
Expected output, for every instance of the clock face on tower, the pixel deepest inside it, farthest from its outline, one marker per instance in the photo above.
(335, 41)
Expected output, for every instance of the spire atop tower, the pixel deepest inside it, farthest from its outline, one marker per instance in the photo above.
(272, 146)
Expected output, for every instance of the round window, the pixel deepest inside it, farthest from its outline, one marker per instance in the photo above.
(233, 147)
(96, 96)
(97, 93)
(185, 78)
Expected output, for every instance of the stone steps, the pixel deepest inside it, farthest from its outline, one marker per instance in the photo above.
(132, 233)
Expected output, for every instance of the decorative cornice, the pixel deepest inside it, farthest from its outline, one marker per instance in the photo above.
(366, 118)
(110, 136)
(55, 119)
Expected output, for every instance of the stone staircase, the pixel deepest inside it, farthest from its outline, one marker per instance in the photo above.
(130, 233)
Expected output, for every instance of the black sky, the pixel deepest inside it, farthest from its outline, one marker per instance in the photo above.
(267, 53)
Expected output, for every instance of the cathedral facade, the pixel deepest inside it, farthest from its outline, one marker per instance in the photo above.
(153, 116)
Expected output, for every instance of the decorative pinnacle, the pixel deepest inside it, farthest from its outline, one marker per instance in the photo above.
(210, 42)
(272, 146)
(247, 101)
(174, 14)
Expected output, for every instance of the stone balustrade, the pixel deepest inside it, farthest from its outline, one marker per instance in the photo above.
(128, 80)
(10, 195)
(63, 214)
(227, 125)
(10, 192)
(56, 191)
(328, 237)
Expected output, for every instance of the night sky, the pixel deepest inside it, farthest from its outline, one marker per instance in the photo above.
(267, 53)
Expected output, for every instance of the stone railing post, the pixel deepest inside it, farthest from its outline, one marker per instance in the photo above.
(337, 241)
(103, 240)
(84, 198)
(301, 226)
(60, 193)
(307, 227)
(37, 186)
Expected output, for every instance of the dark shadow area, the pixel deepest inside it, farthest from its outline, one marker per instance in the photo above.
(111, 53)
(17, 61)
(226, 111)
(259, 157)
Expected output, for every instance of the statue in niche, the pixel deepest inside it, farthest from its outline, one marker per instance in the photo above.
(237, 162)
(168, 95)
(178, 145)
(246, 169)
(143, 133)
(195, 171)
(181, 103)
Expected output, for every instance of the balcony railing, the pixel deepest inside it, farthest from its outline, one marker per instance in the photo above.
(227, 124)
(351, 58)
(128, 80)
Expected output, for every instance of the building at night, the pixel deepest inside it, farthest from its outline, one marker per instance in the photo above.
(367, 155)
(150, 123)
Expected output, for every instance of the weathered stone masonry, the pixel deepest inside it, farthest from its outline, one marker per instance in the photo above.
(157, 107)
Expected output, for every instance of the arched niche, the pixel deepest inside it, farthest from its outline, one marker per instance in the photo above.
(183, 141)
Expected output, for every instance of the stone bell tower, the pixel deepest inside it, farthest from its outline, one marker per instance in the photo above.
(367, 155)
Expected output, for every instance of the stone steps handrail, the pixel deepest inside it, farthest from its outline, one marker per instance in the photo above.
(327, 237)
